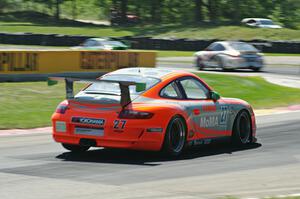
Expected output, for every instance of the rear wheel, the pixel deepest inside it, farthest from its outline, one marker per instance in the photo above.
(221, 64)
(75, 148)
(175, 137)
(242, 129)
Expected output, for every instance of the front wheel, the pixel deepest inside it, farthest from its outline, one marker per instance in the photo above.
(199, 63)
(175, 137)
(75, 148)
(221, 64)
(256, 69)
(242, 129)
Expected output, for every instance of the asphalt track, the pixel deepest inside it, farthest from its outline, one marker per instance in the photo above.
(281, 70)
(33, 166)
(282, 65)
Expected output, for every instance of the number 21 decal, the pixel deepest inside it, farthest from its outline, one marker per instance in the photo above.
(224, 111)
(119, 124)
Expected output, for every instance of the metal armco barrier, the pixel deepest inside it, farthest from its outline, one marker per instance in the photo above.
(64, 61)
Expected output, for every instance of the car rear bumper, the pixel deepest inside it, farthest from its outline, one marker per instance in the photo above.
(242, 63)
(146, 141)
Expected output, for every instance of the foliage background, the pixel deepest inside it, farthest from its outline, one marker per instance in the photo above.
(285, 12)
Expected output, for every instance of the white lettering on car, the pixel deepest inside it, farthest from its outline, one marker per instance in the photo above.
(207, 122)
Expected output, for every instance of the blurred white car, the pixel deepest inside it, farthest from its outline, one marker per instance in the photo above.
(229, 55)
(260, 23)
(101, 44)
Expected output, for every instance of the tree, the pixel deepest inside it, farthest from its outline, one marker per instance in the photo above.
(213, 10)
(52, 3)
(124, 7)
(156, 8)
(198, 11)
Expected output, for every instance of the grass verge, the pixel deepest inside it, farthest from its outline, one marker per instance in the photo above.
(29, 105)
(159, 31)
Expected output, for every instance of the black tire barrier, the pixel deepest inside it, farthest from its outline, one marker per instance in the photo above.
(142, 42)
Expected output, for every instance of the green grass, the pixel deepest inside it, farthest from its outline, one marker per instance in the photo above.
(28, 105)
(255, 90)
(161, 31)
(96, 31)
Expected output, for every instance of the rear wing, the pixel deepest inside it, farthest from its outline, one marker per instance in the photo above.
(124, 86)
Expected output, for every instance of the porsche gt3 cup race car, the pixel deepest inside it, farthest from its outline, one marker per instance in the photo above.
(149, 109)
(229, 55)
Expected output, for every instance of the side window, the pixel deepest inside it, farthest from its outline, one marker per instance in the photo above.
(194, 89)
(90, 43)
(211, 47)
(251, 21)
(218, 47)
(170, 91)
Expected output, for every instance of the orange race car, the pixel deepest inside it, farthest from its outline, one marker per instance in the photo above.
(149, 109)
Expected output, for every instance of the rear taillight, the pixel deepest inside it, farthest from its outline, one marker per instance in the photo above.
(62, 108)
(131, 114)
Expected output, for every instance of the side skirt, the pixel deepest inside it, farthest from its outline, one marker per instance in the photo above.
(207, 141)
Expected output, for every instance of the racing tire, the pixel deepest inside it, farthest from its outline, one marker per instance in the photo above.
(221, 64)
(255, 69)
(175, 137)
(199, 64)
(75, 148)
(241, 134)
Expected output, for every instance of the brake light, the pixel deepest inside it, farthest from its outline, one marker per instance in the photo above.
(62, 108)
(131, 114)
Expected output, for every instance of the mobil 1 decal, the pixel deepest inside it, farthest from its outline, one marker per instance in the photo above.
(215, 120)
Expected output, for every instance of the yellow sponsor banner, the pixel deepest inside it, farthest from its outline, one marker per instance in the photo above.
(63, 61)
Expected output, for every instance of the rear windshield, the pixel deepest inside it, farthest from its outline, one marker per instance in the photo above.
(114, 89)
(242, 46)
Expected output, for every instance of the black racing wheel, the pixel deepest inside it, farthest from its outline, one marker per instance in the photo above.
(175, 137)
(242, 129)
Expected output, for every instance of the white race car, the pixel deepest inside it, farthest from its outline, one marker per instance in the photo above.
(260, 23)
(229, 55)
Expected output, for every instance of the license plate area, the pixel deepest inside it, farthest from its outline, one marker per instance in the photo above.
(89, 131)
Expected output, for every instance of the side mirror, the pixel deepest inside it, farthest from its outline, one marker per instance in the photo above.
(51, 82)
(214, 95)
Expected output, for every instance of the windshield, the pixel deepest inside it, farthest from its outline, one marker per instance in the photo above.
(239, 46)
(114, 89)
(266, 22)
(112, 43)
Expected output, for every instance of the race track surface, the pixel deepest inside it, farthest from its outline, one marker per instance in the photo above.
(281, 70)
(33, 166)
